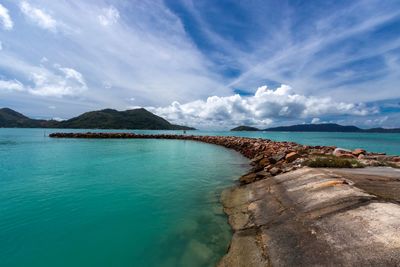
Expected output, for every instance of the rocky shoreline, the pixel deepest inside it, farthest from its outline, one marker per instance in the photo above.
(283, 211)
(268, 158)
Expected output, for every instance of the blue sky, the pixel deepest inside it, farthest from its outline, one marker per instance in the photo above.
(210, 64)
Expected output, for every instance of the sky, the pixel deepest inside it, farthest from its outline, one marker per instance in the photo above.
(205, 63)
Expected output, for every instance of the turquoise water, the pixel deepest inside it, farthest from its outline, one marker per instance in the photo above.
(374, 142)
(67, 202)
(70, 202)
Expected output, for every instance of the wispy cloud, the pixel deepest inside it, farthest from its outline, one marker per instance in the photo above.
(109, 16)
(38, 16)
(11, 85)
(5, 18)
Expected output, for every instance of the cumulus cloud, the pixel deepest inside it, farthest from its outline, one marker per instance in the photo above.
(315, 120)
(11, 85)
(109, 16)
(260, 109)
(38, 16)
(61, 82)
(5, 18)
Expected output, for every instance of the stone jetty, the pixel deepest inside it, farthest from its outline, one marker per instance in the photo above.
(268, 158)
(285, 213)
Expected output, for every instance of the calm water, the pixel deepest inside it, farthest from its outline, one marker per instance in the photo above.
(374, 142)
(112, 202)
(66, 202)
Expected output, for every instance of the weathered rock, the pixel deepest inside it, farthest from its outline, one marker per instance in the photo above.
(292, 156)
(248, 178)
(358, 151)
(274, 171)
(340, 151)
(263, 174)
(278, 157)
(346, 156)
(396, 159)
(263, 162)
(255, 160)
(314, 217)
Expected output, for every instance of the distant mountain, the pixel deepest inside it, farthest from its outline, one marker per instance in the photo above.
(329, 127)
(245, 128)
(11, 118)
(102, 119)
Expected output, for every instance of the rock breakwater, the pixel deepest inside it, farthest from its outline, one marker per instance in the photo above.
(268, 158)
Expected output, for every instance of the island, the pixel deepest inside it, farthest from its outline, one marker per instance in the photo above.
(102, 119)
(320, 127)
(244, 128)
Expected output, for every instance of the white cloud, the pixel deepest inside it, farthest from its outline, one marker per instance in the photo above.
(315, 120)
(11, 85)
(109, 16)
(261, 109)
(5, 18)
(61, 82)
(58, 119)
(139, 58)
(38, 16)
(1, 46)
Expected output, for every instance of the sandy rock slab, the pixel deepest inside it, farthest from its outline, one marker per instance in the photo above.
(315, 217)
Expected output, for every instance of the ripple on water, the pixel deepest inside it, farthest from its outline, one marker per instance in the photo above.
(113, 202)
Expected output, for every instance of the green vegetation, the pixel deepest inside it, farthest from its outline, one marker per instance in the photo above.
(102, 119)
(333, 162)
(393, 165)
(245, 128)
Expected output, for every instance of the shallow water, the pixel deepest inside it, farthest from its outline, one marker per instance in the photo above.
(76, 202)
(373, 142)
(66, 202)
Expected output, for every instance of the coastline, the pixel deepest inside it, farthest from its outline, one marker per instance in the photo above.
(263, 201)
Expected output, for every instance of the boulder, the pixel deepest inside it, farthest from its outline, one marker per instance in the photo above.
(292, 156)
(275, 171)
(264, 162)
(256, 159)
(357, 152)
(339, 151)
(396, 159)
(346, 156)
(248, 178)
(263, 174)
(279, 156)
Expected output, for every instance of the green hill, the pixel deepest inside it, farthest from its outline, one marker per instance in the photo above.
(245, 128)
(329, 127)
(102, 119)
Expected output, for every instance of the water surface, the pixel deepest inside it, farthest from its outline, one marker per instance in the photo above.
(66, 202)
(82, 202)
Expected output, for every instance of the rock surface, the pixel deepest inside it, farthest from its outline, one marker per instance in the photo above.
(315, 217)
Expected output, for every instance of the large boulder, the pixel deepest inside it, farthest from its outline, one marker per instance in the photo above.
(292, 156)
(248, 178)
(343, 153)
(357, 152)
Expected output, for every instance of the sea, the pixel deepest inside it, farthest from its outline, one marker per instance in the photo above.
(127, 202)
